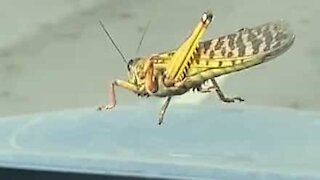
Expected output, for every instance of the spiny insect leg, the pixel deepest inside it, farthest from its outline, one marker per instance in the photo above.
(164, 109)
(182, 58)
(222, 96)
(112, 93)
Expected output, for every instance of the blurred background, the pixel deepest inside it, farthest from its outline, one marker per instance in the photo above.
(54, 55)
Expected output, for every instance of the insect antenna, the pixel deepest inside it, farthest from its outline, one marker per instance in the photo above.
(114, 44)
(142, 37)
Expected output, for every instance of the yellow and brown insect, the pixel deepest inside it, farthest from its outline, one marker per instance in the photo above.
(195, 63)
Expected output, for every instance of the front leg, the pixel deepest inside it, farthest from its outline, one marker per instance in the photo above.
(222, 96)
(120, 83)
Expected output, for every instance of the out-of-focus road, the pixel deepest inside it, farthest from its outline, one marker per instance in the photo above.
(54, 55)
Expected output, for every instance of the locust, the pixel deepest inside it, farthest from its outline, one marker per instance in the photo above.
(195, 64)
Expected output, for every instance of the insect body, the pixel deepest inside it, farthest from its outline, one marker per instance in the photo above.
(196, 62)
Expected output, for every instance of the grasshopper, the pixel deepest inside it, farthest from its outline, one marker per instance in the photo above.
(195, 63)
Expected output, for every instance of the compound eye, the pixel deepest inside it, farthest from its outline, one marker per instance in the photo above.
(129, 65)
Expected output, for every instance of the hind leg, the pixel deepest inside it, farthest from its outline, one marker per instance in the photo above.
(221, 95)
